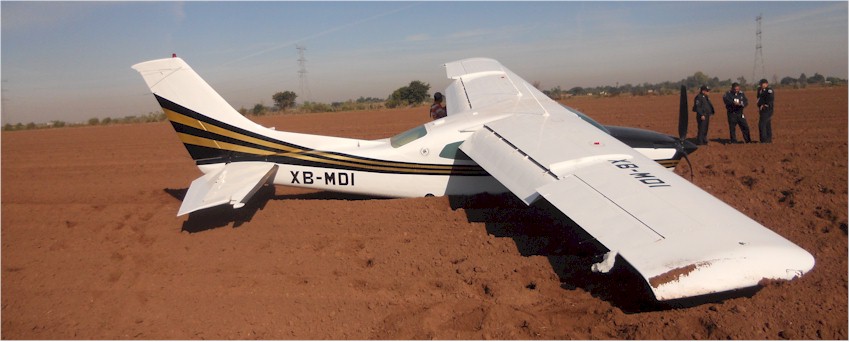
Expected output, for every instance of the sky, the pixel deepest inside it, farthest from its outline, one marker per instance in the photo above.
(71, 61)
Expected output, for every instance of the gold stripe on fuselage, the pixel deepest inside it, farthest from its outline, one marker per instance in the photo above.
(185, 120)
(196, 140)
(205, 142)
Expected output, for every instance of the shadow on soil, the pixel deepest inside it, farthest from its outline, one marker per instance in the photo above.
(540, 229)
(543, 230)
(225, 215)
(729, 141)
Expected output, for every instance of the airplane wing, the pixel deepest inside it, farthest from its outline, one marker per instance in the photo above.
(683, 241)
(233, 184)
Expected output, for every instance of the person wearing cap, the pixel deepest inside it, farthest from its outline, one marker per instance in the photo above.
(765, 103)
(438, 110)
(735, 101)
(704, 110)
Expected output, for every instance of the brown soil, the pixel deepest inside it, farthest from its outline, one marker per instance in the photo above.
(91, 247)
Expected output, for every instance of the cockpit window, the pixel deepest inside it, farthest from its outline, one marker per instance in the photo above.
(408, 136)
(589, 120)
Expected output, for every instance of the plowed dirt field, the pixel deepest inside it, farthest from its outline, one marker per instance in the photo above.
(91, 247)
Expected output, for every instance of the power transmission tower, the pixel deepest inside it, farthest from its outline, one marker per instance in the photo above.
(759, 58)
(302, 72)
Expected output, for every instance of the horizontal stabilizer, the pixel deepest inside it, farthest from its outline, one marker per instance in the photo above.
(233, 184)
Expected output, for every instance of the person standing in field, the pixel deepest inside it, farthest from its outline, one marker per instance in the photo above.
(735, 101)
(704, 110)
(438, 110)
(765, 103)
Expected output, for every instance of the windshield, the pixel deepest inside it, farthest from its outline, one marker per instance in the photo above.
(589, 120)
(408, 136)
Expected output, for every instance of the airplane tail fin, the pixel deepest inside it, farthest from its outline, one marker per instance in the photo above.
(204, 121)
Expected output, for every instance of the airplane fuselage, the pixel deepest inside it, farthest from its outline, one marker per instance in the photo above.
(423, 161)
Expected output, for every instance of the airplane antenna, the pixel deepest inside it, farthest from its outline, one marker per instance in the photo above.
(302, 72)
(759, 57)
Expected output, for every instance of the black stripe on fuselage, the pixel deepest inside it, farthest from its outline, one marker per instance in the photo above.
(181, 128)
(167, 104)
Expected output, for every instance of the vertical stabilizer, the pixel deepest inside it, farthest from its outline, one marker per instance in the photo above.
(204, 121)
(175, 81)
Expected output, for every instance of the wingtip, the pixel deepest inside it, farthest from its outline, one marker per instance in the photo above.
(728, 274)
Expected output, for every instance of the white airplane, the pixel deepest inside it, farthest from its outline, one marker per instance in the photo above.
(501, 134)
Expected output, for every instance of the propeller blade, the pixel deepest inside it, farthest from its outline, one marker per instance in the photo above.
(683, 113)
(680, 147)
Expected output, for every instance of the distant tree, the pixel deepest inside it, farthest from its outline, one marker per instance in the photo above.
(418, 92)
(742, 81)
(816, 79)
(243, 111)
(94, 121)
(106, 121)
(699, 78)
(413, 94)
(284, 100)
(258, 109)
(801, 81)
(315, 107)
(788, 81)
(58, 123)
(536, 84)
(153, 117)
(8, 127)
(395, 99)
(836, 80)
(554, 93)
(369, 100)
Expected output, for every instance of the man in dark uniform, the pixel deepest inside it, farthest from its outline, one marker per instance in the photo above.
(704, 110)
(765, 103)
(735, 101)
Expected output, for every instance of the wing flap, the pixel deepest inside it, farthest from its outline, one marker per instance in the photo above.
(605, 220)
(233, 184)
(504, 161)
